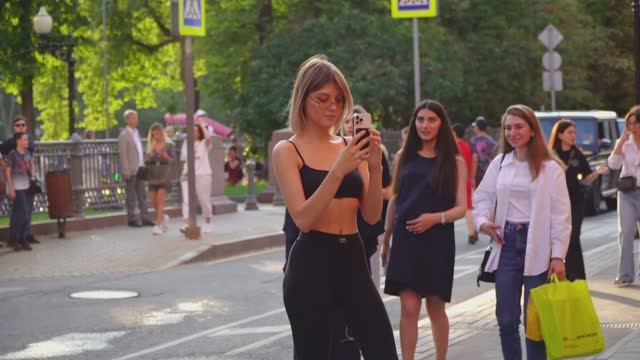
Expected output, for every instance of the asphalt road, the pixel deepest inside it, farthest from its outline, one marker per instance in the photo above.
(227, 310)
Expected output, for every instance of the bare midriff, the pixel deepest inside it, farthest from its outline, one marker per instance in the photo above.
(339, 217)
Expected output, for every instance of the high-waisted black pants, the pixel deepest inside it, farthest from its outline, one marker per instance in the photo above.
(327, 272)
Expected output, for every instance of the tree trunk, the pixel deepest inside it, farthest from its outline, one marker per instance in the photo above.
(26, 103)
(265, 21)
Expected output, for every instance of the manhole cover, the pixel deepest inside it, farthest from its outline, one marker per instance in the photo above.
(104, 294)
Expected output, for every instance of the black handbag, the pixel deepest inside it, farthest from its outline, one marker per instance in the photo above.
(35, 186)
(483, 275)
(626, 183)
(143, 173)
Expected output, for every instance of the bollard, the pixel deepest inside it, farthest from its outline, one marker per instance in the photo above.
(76, 176)
(252, 201)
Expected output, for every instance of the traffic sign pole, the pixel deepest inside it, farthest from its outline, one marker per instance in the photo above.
(403, 9)
(550, 37)
(191, 22)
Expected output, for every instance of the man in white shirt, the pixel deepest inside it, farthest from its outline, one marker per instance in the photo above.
(131, 160)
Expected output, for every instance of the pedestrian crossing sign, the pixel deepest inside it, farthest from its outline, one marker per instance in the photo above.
(402, 9)
(192, 17)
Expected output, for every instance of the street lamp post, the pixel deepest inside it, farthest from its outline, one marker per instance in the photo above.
(42, 24)
(635, 6)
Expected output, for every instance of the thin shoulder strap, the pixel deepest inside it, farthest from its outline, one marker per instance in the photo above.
(344, 140)
(298, 151)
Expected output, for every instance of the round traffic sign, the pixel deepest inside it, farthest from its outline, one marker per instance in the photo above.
(551, 61)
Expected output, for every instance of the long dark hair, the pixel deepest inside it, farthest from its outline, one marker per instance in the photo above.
(445, 176)
(559, 128)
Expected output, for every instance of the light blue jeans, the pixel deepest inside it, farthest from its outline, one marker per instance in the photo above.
(628, 217)
(509, 281)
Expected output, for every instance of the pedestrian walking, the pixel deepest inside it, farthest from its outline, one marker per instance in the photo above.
(465, 152)
(19, 172)
(201, 147)
(131, 161)
(578, 175)
(159, 160)
(523, 204)
(370, 234)
(20, 125)
(233, 166)
(483, 149)
(324, 180)
(626, 155)
(429, 196)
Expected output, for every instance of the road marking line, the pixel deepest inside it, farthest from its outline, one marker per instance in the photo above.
(459, 308)
(199, 335)
(260, 343)
(253, 330)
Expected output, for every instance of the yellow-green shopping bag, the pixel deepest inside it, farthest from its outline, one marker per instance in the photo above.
(568, 320)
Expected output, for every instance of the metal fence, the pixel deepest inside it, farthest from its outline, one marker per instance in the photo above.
(95, 170)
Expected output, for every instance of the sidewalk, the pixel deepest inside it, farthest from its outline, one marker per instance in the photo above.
(474, 331)
(121, 249)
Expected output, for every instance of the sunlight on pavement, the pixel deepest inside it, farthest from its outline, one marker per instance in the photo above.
(177, 314)
(66, 345)
(269, 266)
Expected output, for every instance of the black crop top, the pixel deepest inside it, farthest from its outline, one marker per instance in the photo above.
(350, 187)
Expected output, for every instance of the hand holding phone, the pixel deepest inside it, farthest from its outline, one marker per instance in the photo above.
(362, 122)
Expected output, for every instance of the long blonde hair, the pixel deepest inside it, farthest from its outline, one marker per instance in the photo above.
(313, 74)
(537, 150)
(151, 141)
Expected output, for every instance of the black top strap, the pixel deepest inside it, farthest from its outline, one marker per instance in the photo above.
(298, 151)
(344, 140)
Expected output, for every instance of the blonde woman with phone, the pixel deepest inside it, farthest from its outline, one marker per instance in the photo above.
(325, 179)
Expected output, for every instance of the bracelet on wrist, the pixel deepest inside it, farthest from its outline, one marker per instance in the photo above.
(442, 218)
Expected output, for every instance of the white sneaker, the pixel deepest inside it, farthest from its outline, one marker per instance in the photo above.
(157, 230)
(165, 223)
(206, 228)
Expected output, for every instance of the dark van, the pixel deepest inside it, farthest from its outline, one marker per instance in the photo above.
(596, 132)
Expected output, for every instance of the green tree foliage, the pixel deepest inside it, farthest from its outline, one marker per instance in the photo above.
(477, 57)
(143, 59)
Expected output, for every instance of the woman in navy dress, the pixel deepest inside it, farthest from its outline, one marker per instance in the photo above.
(430, 195)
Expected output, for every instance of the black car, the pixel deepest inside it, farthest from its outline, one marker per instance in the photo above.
(596, 132)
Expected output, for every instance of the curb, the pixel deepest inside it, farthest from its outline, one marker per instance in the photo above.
(231, 248)
(119, 218)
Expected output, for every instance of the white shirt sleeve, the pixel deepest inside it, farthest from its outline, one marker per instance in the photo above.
(615, 161)
(560, 212)
(484, 198)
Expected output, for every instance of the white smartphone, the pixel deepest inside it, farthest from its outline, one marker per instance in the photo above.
(362, 122)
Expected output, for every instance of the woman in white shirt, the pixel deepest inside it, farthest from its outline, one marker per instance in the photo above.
(513, 205)
(202, 145)
(626, 155)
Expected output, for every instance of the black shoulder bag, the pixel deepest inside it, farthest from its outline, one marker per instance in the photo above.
(483, 275)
